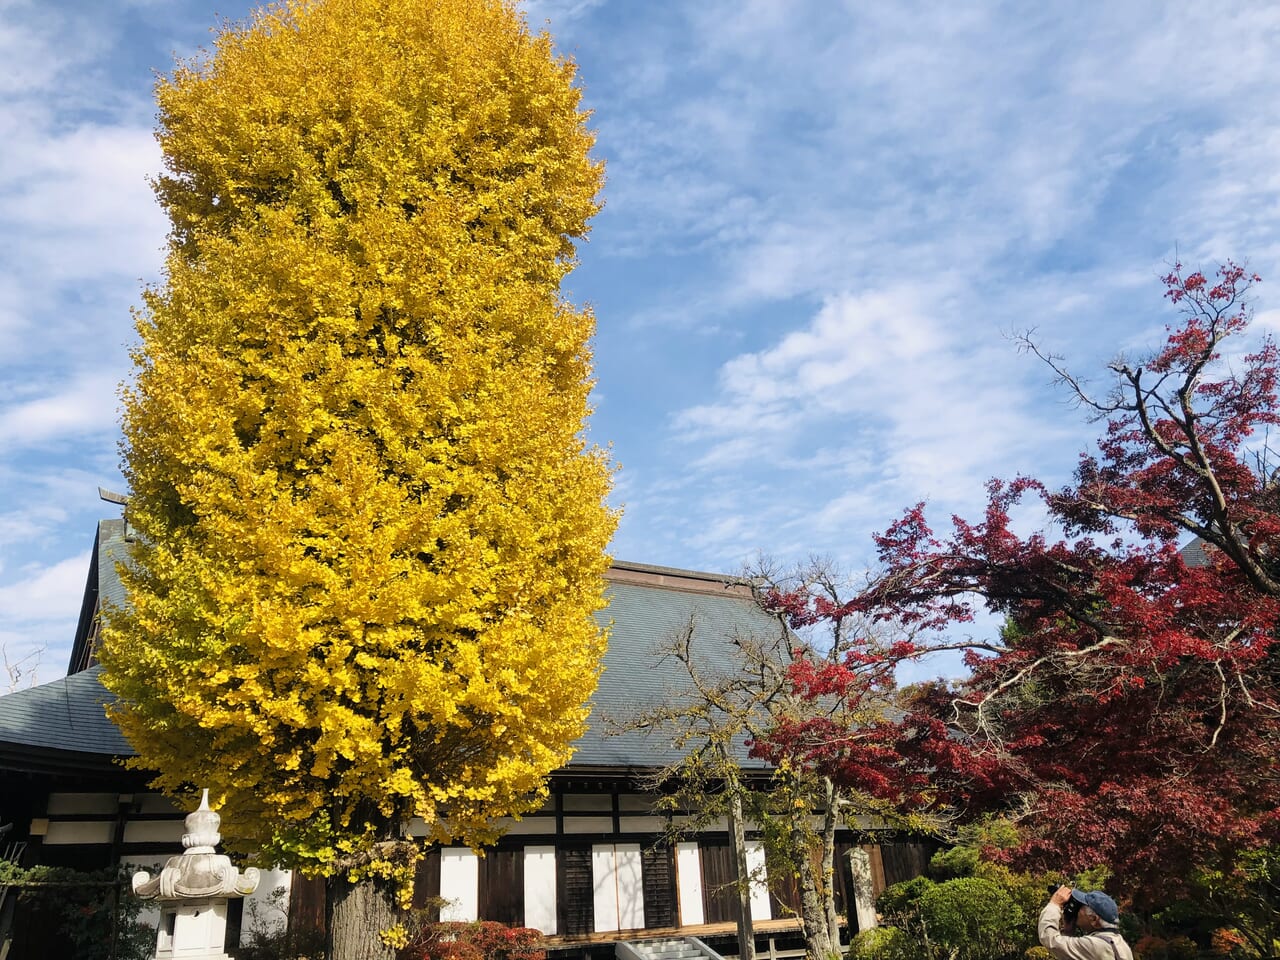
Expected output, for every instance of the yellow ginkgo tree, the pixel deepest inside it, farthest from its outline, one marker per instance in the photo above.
(370, 532)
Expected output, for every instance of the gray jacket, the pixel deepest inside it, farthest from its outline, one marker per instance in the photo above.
(1104, 944)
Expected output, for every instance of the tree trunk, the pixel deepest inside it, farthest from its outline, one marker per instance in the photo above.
(355, 914)
(830, 816)
(813, 912)
(746, 931)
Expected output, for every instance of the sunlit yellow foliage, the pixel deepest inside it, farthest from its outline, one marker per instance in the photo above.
(371, 534)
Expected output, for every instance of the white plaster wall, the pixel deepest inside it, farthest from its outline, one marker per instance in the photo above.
(64, 803)
(530, 824)
(760, 907)
(630, 886)
(604, 888)
(689, 883)
(540, 888)
(588, 824)
(618, 887)
(642, 824)
(266, 910)
(155, 831)
(156, 803)
(577, 802)
(459, 884)
(79, 831)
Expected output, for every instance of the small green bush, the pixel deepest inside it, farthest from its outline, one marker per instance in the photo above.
(882, 943)
(900, 898)
(92, 912)
(954, 862)
(973, 919)
(1028, 891)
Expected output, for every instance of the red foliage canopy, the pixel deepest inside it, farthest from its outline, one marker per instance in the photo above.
(1130, 711)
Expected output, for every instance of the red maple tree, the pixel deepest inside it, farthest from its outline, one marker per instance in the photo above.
(1129, 712)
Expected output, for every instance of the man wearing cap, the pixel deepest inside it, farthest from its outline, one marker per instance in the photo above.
(1097, 936)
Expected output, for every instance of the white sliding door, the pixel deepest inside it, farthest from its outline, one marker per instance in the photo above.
(459, 884)
(689, 883)
(618, 887)
(760, 906)
(540, 888)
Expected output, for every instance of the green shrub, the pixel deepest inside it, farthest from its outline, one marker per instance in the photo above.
(900, 899)
(92, 913)
(1029, 891)
(973, 919)
(953, 863)
(883, 943)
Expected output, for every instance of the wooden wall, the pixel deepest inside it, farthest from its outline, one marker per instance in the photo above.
(90, 827)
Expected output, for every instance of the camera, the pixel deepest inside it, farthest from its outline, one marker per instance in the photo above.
(1070, 908)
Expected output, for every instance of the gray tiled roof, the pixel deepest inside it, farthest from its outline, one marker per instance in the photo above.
(1193, 554)
(636, 676)
(68, 714)
(104, 587)
(112, 548)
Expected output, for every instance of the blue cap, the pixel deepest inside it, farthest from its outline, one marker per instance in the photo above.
(1099, 903)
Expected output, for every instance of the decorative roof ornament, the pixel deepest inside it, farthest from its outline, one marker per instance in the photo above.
(202, 834)
(200, 872)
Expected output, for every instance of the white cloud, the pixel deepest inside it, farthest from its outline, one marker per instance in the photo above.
(887, 353)
(22, 526)
(812, 143)
(80, 202)
(929, 190)
(86, 405)
(885, 398)
(50, 593)
(49, 501)
(558, 12)
(35, 50)
(78, 223)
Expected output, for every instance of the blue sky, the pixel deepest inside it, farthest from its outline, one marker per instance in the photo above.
(822, 221)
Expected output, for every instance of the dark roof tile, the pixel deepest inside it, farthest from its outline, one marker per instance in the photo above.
(68, 714)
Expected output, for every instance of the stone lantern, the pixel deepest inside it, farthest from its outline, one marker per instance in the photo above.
(192, 891)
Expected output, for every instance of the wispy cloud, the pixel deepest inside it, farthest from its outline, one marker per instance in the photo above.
(80, 203)
(46, 593)
(557, 11)
(814, 141)
(874, 194)
(78, 229)
(39, 610)
(83, 406)
(889, 365)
